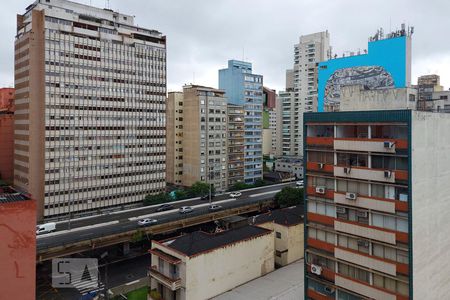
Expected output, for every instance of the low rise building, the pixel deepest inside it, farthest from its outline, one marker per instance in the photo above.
(290, 165)
(200, 265)
(18, 246)
(287, 223)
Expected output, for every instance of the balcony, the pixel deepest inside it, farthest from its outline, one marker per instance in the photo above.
(369, 145)
(319, 141)
(318, 296)
(388, 206)
(325, 273)
(363, 288)
(315, 191)
(319, 167)
(370, 232)
(320, 245)
(365, 173)
(172, 283)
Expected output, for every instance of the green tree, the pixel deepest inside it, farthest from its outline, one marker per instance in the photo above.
(200, 189)
(260, 182)
(157, 199)
(181, 194)
(289, 196)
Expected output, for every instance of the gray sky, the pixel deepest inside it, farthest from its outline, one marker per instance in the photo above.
(203, 34)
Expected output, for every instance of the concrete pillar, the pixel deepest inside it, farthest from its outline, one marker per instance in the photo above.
(126, 248)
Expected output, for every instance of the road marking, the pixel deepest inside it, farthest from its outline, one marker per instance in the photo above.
(76, 229)
(175, 210)
(266, 193)
(132, 282)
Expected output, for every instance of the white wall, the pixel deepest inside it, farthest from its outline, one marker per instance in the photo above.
(218, 271)
(431, 205)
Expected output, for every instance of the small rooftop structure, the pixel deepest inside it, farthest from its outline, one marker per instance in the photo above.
(9, 194)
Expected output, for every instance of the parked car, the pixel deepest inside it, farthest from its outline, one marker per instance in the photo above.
(45, 228)
(164, 207)
(185, 209)
(213, 207)
(235, 194)
(147, 222)
(299, 183)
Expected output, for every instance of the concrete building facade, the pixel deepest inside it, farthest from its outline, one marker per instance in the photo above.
(235, 144)
(94, 135)
(287, 225)
(244, 88)
(200, 265)
(290, 165)
(174, 138)
(7, 135)
(376, 187)
(204, 134)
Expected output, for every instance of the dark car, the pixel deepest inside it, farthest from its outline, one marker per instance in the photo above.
(164, 207)
(206, 197)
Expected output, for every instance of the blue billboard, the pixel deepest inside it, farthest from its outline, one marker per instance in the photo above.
(385, 65)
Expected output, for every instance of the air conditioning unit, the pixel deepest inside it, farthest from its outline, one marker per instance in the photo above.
(389, 145)
(347, 170)
(340, 210)
(320, 189)
(363, 243)
(350, 196)
(387, 174)
(315, 269)
(320, 165)
(362, 214)
(329, 290)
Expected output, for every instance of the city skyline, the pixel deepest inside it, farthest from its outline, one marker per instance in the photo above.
(197, 51)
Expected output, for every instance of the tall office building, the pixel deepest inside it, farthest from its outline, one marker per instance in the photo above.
(244, 88)
(174, 138)
(197, 136)
(90, 108)
(269, 121)
(303, 80)
(377, 204)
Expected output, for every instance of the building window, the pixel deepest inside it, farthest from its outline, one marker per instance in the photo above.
(278, 235)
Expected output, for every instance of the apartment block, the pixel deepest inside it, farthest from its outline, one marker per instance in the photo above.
(235, 144)
(311, 49)
(18, 247)
(269, 133)
(287, 224)
(376, 205)
(431, 94)
(289, 120)
(174, 138)
(94, 135)
(244, 88)
(7, 135)
(201, 265)
(204, 134)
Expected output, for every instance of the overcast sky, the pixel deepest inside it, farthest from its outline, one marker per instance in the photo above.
(203, 34)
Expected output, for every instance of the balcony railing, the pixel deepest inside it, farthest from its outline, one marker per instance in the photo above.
(172, 283)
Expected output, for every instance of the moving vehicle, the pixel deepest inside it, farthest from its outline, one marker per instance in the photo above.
(214, 207)
(45, 228)
(147, 222)
(185, 209)
(299, 183)
(164, 207)
(235, 194)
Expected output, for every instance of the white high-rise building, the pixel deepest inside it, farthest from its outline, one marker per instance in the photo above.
(90, 108)
(311, 49)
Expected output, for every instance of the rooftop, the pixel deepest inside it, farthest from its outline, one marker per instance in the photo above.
(287, 216)
(198, 242)
(285, 283)
(8, 195)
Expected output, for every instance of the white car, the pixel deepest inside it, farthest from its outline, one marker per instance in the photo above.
(185, 209)
(147, 222)
(214, 207)
(299, 183)
(45, 228)
(235, 194)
